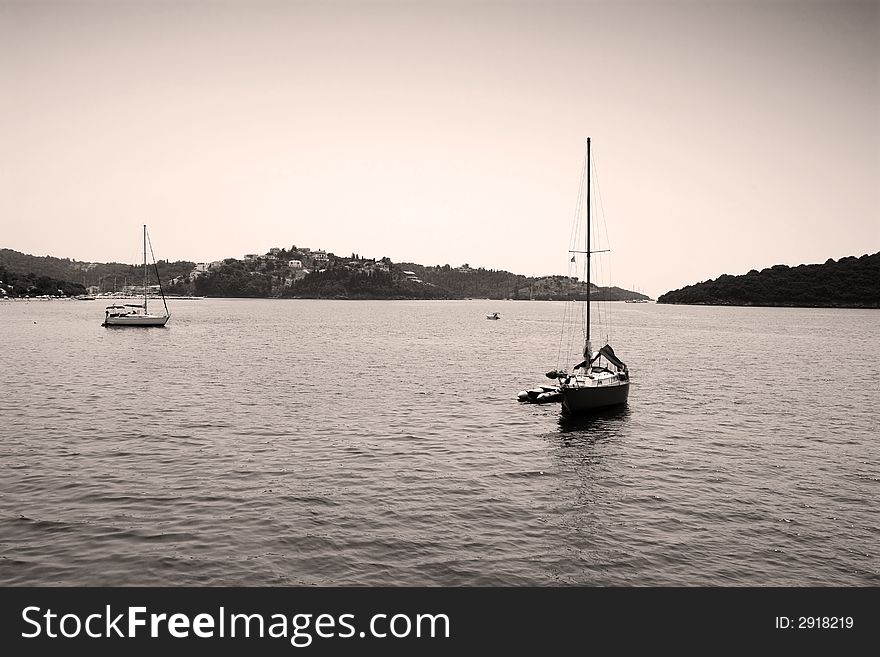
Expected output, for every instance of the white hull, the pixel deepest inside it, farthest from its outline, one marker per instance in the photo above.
(137, 320)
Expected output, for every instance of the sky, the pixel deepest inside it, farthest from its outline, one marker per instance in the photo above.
(727, 135)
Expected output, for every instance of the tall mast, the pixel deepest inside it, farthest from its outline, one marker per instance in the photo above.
(587, 348)
(145, 270)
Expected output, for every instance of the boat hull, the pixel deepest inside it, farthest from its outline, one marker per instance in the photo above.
(578, 400)
(139, 320)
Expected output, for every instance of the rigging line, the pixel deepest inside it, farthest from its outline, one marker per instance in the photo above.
(574, 339)
(565, 316)
(608, 245)
(601, 303)
(581, 236)
(574, 319)
(158, 279)
(610, 263)
(586, 271)
(578, 211)
(562, 329)
(576, 313)
(598, 265)
(559, 348)
(568, 318)
(567, 326)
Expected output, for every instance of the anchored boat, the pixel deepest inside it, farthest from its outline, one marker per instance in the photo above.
(136, 314)
(601, 378)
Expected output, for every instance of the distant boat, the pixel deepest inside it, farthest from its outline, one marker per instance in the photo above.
(493, 316)
(636, 298)
(136, 314)
(601, 379)
(83, 297)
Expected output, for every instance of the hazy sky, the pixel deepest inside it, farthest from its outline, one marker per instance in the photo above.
(728, 135)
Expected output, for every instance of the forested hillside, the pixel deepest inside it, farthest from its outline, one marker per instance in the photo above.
(846, 283)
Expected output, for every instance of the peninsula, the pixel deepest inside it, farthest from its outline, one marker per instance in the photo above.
(846, 283)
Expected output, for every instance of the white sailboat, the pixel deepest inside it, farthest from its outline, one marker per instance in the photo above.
(135, 314)
(638, 298)
(601, 379)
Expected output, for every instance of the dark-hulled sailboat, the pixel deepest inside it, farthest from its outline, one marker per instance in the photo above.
(601, 379)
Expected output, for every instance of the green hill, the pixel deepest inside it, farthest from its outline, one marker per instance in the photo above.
(847, 283)
(335, 277)
(478, 283)
(106, 276)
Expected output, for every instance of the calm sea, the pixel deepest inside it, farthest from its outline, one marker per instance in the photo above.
(258, 442)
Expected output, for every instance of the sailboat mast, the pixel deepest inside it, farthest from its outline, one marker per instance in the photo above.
(145, 269)
(587, 349)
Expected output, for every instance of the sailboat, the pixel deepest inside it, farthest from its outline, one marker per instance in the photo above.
(637, 297)
(601, 379)
(136, 314)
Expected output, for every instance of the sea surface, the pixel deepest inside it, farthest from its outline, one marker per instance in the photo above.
(299, 442)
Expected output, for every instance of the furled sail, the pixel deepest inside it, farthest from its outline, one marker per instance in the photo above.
(608, 352)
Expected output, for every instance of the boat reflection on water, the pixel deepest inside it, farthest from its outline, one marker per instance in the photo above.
(599, 424)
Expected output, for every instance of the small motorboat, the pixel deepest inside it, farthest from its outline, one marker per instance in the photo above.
(493, 316)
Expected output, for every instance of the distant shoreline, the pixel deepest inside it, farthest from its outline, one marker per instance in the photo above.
(665, 303)
(846, 283)
(772, 305)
